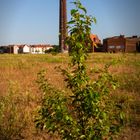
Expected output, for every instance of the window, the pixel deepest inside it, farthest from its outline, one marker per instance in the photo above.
(32, 49)
(43, 49)
(111, 47)
(118, 47)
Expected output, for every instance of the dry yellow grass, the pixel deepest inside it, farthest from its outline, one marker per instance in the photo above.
(22, 71)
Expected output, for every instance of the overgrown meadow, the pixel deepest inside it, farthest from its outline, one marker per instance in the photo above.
(20, 96)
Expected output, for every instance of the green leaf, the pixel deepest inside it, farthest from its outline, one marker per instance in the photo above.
(82, 136)
(94, 19)
(73, 11)
(71, 22)
(82, 8)
(122, 115)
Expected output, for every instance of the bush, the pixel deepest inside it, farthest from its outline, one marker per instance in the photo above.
(88, 112)
(54, 50)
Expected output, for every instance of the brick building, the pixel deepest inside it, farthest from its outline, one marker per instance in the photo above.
(121, 44)
(96, 46)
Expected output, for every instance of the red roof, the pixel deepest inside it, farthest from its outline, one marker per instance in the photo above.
(95, 38)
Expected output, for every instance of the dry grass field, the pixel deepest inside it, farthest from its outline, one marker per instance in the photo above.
(20, 96)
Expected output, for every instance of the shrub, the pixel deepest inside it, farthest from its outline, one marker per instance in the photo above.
(88, 112)
(54, 50)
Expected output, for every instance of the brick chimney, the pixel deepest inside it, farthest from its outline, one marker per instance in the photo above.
(62, 25)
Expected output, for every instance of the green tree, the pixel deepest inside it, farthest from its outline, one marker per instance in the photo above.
(88, 113)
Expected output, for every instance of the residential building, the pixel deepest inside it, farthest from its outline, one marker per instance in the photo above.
(21, 49)
(40, 49)
(25, 49)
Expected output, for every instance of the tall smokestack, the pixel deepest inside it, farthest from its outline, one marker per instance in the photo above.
(62, 25)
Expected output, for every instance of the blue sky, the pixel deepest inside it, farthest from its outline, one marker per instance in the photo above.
(37, 21)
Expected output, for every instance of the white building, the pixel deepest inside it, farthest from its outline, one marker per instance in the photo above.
(15, 49)
(40, 49)
(21, 49)
(33, 49)
(26, 49)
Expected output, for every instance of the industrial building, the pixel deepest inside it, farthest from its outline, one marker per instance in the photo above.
(121, 44)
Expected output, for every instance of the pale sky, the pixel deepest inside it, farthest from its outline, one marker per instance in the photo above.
(37, 21)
